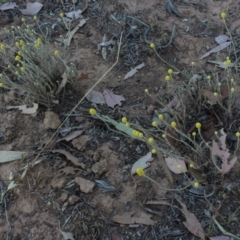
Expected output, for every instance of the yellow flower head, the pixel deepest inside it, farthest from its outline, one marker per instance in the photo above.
(19, 53)
(3, 47)
(92, 111)
(152, 46)
(1, 75)
(1, 84)
(191, 165)
(196, 184)
(154, 150)
(192, 63)
(21, 42)
(151, 140)
(232, 90)
(146, 90)
(23, 19)
(160, 116)
(17, 44)
(194, 134)
(35, 18)
(23, 69)
(238, 134)
(208, 77)
(170, 71)
(124, 120)
(127, 124)
(154, 124)
(215, 94)
(223, 15)
(36, 45)
(164, 135)
(140, 134)
(56, 52)
(61, 14)
(17, 73)
(198, 125)
(18, 58)
(179, 166)
(173, 124)
(135, 132)
(39, 41)
(140, 172)
(167, 78)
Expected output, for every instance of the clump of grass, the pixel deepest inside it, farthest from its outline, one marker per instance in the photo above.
(32, 66)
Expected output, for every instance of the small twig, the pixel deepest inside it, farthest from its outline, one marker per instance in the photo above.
(223, 230)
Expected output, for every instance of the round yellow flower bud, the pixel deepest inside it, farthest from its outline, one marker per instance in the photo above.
(1, 84)
(215, 94)
(194, 134)
(173, 124)
(150, 140)
(154, 124)
(146, 90)
(154, 151)
(92, 111)
(61, 14)
(191, 165)
(179, 166)
(127, 124)
(238, 134)
(124, 120)
(140, 172)
(152, 45)
(196, 184)
(223, 15)
(198, 125)
(170, 71)
(167, 78)
(35, 18)
(160, 116)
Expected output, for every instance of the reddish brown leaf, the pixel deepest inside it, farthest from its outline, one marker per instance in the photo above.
(210, 96)
(192, 223)
(170, 132)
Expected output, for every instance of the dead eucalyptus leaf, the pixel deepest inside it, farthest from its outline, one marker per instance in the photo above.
(223, 153)
(216, 49)
(70, 157)
(112, 99)
(221, 38)
(176, 165)
(24, 108)
(8, 156)
(170, 136)
(70, 34)
(96, 97)
(74, 14)
(132, 218)
(143, 162)
(8, 5)
(210, 96)
(67, 235)
(63, 83)
(222, 64)
(192, 223)
(134, 70)
(32, 8)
